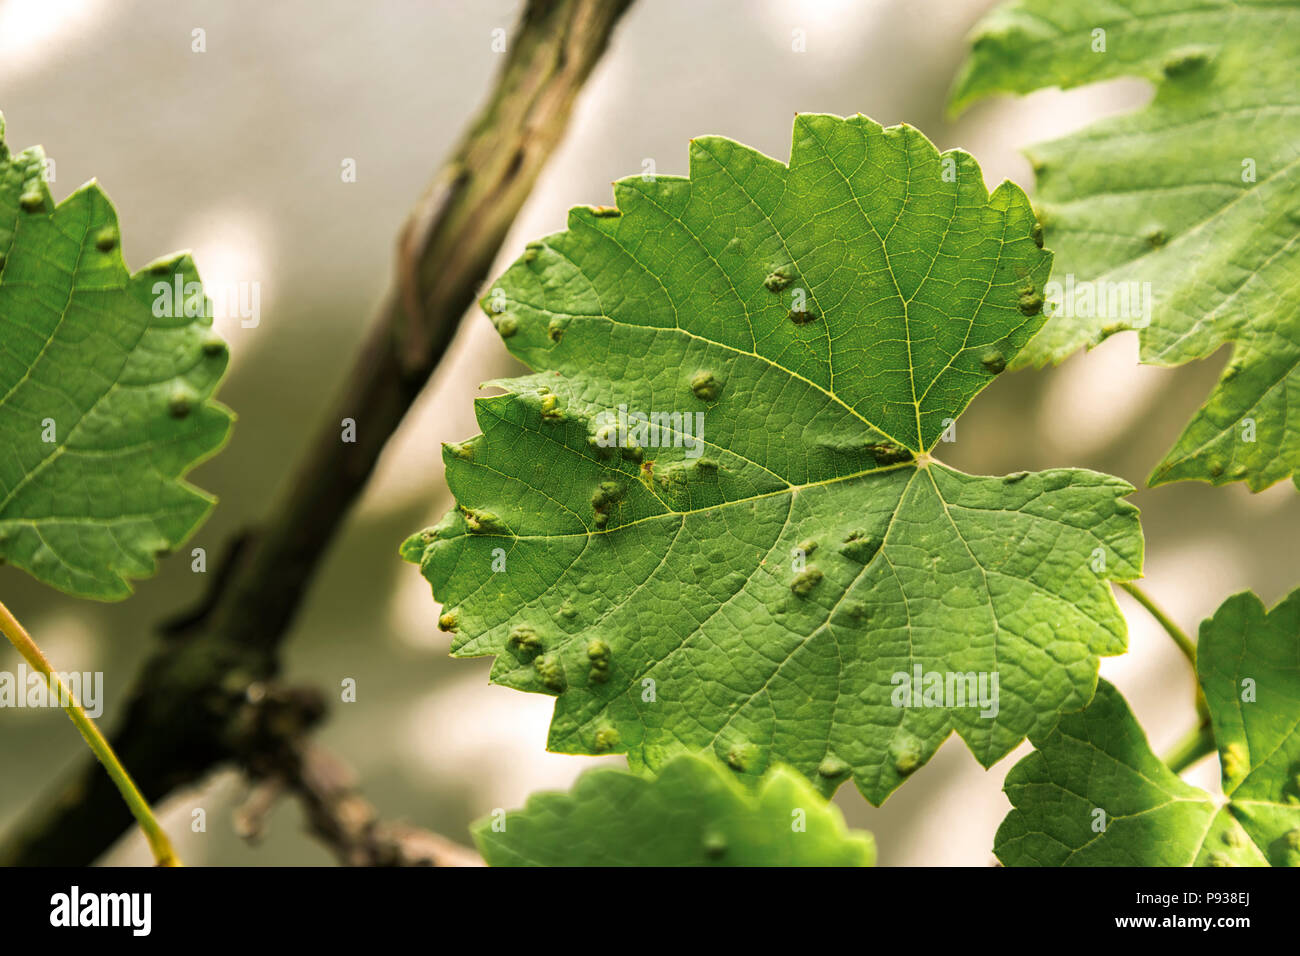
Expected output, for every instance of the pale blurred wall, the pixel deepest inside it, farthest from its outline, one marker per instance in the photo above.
(236, 153)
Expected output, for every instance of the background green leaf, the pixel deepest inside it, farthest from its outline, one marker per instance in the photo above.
(660, 595)
(124, 394)
(694, 813)
(1161, 196)
(1249, 667)
(1245, 651)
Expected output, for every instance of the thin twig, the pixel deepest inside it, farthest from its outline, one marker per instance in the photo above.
(281, 759)
(343, 819)
(159, 843)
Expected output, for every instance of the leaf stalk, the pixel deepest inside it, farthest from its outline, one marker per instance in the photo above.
(159, 843)
(1197, 744)
(1185, 643)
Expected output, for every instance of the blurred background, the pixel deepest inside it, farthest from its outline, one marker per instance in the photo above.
(236, 153)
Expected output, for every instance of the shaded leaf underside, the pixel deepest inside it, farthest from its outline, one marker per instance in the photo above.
(694, 813)
(658, 592)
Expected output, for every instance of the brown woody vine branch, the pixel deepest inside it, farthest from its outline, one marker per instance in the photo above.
(282, 761)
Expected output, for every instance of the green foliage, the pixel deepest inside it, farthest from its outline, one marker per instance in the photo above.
(695, 813)
(1197, 194)
(755, 594)
(103, 405)
(1248, 663)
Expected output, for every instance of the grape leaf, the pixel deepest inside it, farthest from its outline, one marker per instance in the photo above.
(757, 592)
(1248, 663)
(694, 813)
(103, 404)
(1196, 194)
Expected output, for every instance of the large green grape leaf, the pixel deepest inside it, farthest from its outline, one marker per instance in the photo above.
(694, 813)
(103, 404)
(1098, 762)
(1197, 194)
(658, 588)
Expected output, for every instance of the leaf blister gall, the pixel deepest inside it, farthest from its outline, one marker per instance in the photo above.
(598, 654)
(714, 844)
(706, 386)
(106, 239)
(778, 281)
(181, 401)
(1030, 302)
(906, 751)
(832, 767)
(742, 757)
(464, 451)
(860, 546)
(480, 521)
(551, 410)
(888, 453)
(805, 581)
(1186, 62)
(524, 637)
(1235, 761)
(994, 361)
(856, 611)
(605, 498)
(550, 671)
